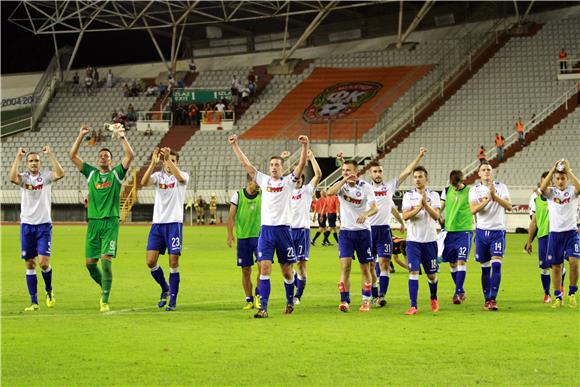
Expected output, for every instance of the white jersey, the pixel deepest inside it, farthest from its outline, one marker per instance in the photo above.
(169, 197)
(492, 216)
(276, 199)
(353, 202)
(422, 227)
(301, 202)
(384, 194)
(562, 207)
(35, 197)
(532, 203)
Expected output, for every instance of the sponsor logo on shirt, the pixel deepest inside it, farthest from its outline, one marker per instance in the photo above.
(167, 186)
(351, 200)
(104, 185)
(561, 201)
(275, 189)
(381, 193)
(297, 197)
(31, 187)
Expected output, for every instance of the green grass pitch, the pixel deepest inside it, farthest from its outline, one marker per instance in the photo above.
(209, 340)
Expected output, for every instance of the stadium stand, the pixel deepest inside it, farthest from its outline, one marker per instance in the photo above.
(519, 80)
(525, 167)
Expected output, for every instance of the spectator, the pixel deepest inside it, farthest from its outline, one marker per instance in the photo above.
(149, 131)
(151, 90)
(181, 84)
(89, 85)
(96, 77)
(161, 89)
(563, 61)
(192, 67)
(114, 116)
(235, 88)
(126, 91)
(76, 83)
(252, 87)
(481, 156)
(131, 114)
(245, 93)
(89, 72)
(193, 115)
(520, 131)
(100, 135)
(134, 89)
(499, 143)
(110, 79)
(251, 77)
(220, 106)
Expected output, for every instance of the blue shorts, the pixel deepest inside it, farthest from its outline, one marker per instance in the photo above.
(562, 245)
(332, 220)
(382, 241)
(165, 236)
(543, 252)
(489, 243)
(359, 241)
(279, 239)
(247, 250)
(301, 240)
(422, 253)
(35, 239)
(457, 246)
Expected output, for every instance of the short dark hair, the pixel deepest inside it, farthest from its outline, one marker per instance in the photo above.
(277, 158)
(249, 177)
(30, 154)
(351, 162)
(108, 150)
(545, 174)
(483, 162)
(374, 163)
(455, 177)
(420, 168)
(174, 153)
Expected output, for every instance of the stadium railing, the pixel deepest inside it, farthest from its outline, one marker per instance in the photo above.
(438, 87)
(528, 126)
(48, 84)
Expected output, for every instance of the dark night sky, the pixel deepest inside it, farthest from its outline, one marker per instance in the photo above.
(22, 51)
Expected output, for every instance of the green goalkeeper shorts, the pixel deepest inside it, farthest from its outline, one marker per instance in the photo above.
(102, 235)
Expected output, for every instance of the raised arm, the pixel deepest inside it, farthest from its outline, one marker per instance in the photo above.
(335, 188)
(73, 154)
(57, 171)
(128, 155)
(146, 179)
(166, 152)
(303, 156)
(14, 176)
(572, 177)
(233, 140)
(340, 158)
(317, 172)
(409, 168)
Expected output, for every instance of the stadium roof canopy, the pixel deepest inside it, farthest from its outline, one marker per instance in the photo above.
(170, 19)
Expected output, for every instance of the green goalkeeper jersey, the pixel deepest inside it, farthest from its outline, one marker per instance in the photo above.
(248, 215)
(542, 220)
(458, 215)
(104, 191)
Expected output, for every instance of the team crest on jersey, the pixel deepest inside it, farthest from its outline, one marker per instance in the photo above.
(340, 100)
